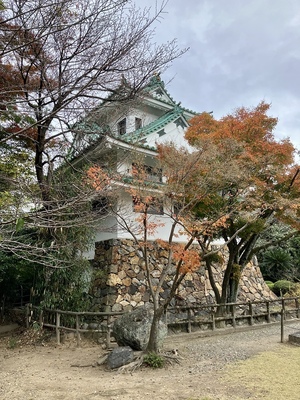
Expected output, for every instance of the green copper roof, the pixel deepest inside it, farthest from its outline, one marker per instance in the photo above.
(94, 132)
(154, 126)
(156, 83)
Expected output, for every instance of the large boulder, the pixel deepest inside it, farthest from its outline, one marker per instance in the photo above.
(133, 329)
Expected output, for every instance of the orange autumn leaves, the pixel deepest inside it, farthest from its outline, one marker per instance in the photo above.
(96, 178)
(187, 259)
(246, 155)
(20, 78)
(249, 131)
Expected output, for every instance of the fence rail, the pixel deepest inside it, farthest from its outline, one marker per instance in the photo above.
(107, 318)
(233, 314)
(197, 317)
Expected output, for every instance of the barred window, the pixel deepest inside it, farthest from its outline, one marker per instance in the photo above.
(138, 123)
(122, 127)
(154, 205)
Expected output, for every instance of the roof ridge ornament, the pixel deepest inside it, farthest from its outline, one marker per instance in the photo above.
(177, 108)
(156, 80)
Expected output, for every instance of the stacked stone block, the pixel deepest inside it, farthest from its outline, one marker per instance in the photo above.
(122, 282)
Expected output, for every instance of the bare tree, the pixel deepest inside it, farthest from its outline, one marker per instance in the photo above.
(70, 56)
(65, 58)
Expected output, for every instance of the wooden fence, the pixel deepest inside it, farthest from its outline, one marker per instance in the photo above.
(187, 318)
(53, 319)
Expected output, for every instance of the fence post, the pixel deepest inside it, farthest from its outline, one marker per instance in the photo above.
(77, 330)
(189, 324)
(282, 325)
(108, 332)
(297, 306)
(57, 326)
(27, 315)
(268, 311)
(283, 306)
(213, 322)
(233, 316)
(251, 313)
(41, 319)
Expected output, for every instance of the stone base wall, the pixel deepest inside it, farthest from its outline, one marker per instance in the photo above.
(251, 286)
(120, 283)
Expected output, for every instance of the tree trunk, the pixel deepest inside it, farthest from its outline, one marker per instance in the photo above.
(233, 290)
(212, 282)
(152, 346)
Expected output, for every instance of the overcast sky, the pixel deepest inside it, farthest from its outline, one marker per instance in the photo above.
(241, 52)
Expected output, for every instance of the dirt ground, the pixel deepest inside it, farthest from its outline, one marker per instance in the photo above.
(239, 365)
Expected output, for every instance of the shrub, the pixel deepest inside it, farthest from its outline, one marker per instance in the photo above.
(153, 360)
(295, 291)
(12, 343)
(270, 284)
(275, 264)
(282, 287)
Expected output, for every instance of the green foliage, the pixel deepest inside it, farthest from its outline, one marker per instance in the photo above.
(12, 343)
(36, 326)
(236, 272)
(211, 206)
(64, 288)
(17, 277)
(215, 258)
(294, 291)
(59, 276)
(15, 166)
(281, 261)
(276, 263)
(19, 224)
(255, 227)
(270, 284)
(282, 287)
(154, 360)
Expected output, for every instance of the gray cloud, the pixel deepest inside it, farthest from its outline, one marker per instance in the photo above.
(241, 52)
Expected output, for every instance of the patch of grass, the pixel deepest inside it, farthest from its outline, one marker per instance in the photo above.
(36, 326)
(269, 375)
(202, 398)
(12, 343)
(154, 360)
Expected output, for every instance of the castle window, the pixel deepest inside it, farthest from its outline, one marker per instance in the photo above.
(100, 206)
(147, 172)
(152, 205)
(138, 123)
(122, 127)
(153, 174)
